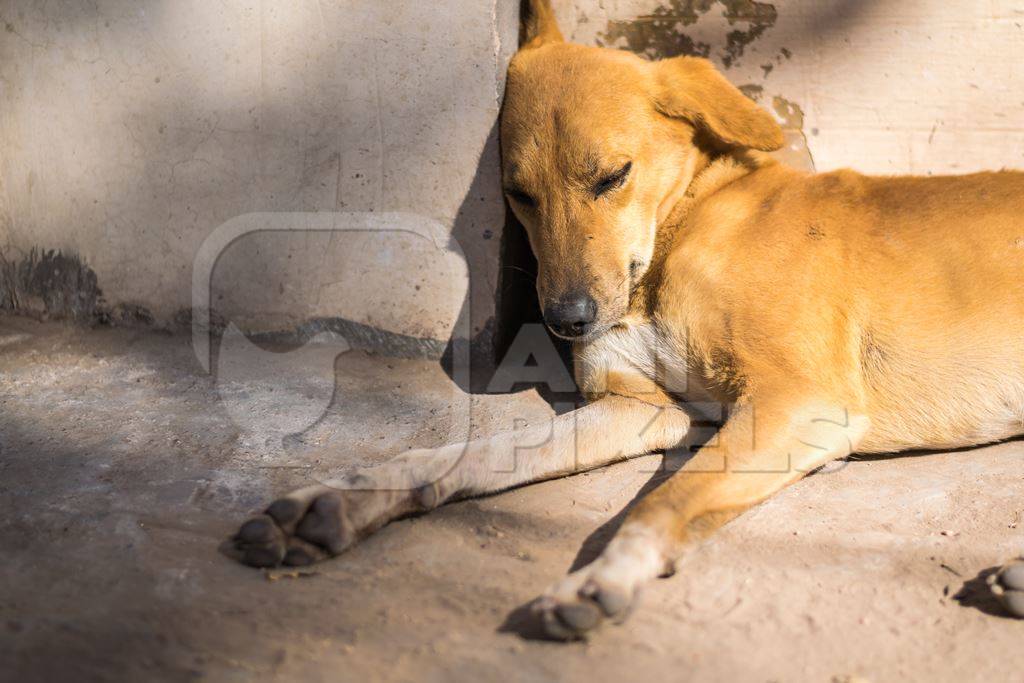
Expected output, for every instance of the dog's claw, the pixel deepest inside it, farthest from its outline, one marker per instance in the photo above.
(1008, 586)
(614, 603)
(301, 553)
(258, 543)
(259, 529)
(579, 604)
(580, 616)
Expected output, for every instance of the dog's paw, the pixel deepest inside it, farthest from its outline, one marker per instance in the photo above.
(607, 589)
(584, 600)
(319, 522)
(1008, 586)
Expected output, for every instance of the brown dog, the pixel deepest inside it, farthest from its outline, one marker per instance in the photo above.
(832, 312)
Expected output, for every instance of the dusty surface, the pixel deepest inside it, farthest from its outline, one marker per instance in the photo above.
(121, 470)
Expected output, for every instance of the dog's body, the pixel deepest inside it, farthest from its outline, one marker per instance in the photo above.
(831, 313)
(901, 299)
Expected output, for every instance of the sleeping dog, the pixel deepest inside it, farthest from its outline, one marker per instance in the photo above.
(831, 312)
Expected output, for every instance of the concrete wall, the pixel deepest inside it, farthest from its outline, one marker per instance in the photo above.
(130, 130)
(882, 86)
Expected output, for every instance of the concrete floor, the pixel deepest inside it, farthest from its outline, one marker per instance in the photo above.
(122, 469)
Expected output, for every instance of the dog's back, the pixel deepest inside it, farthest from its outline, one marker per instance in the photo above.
(910, 290)
(943, 350)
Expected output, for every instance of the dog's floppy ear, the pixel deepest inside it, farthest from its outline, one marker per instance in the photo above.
(538, 24)
(691, 88)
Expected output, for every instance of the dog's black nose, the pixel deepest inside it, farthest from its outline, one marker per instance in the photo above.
(571, 316)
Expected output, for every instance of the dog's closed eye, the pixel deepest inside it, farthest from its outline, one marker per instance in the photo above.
(520, 197)
(612, 181)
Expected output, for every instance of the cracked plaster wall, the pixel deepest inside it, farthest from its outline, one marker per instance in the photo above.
(131, 129)
(882, 86)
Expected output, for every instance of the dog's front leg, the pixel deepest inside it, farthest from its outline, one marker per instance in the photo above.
(763, 447)
(323, 520)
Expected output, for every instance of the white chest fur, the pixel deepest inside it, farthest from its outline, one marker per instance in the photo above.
(637, 353)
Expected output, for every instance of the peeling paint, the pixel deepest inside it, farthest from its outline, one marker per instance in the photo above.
(795, 152)
(759, 15)
(174, 145)
(49, 283)
(360, 337)
(672, 29)
(753, 91)
(213, 320)
(719, 29)
(660, 34)
(791, 114)
(126, 315)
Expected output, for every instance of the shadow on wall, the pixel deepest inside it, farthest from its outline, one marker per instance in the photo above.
(518, 315)
(299, 138)
(726, 30)
(675, 28)
(239, 155)
(672, 29)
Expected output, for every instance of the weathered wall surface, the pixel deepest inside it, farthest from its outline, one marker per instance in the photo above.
(131, 129)
(882, 86)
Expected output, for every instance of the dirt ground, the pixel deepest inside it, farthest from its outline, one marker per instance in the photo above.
(124, 465)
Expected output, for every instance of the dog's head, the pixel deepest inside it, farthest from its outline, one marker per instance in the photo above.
(598, 145)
